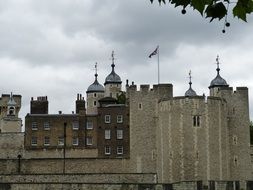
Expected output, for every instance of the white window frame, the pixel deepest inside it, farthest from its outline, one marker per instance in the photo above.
(107, 118)
(46, 125)
(34, 141)
(75, 125)
(107, 150)
(60, 141)
(46, 141)
(120, 150)
(89, 141)
(107, 134)
(119, 118)
(34, 126)
(89, 125)
(119, 133)
(75, 141)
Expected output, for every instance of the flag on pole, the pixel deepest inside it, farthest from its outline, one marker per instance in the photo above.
(154, 52)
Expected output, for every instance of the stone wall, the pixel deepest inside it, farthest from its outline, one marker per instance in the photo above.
(143, 123)
(188, 152)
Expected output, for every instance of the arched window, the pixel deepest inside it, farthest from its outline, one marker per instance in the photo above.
(11, 110)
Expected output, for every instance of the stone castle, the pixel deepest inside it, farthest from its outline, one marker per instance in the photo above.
(138, 139)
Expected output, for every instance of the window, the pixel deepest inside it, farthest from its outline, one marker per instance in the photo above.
(46, 141)
(107, 119)
(235, 160)
(89, 125)
(119, 134)
(75, 125)
(75, 141)
(235, 140)
(34, 126)
(119, 150)
(95, 95)
(140, 106)
(95, 103)
(11, 111)
(46, 126)
(196, 121)
(107, 150)
(119, 118)
(89, 141)
(60, 141)
(34, 141)
(107, 134)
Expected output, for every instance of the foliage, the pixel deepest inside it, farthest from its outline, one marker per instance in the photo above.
(215, 8)
(121, 99)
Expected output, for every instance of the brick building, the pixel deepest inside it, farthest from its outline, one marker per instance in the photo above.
(104, 125)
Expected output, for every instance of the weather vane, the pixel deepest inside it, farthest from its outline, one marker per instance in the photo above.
(96, 67)
(217, 61)
(113, 57)
(190, 75)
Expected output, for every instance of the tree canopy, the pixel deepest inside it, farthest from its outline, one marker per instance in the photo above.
(215, 9)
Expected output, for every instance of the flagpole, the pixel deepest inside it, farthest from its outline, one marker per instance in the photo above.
(158, 64)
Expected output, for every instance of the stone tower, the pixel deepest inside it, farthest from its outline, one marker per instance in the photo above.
(94, 92)
(237, 122)
(9, 107)
(112, 82)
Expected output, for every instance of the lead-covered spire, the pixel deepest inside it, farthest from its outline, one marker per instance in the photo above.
(218, 81)
(113, 78)
(95, 87)
(190, 91)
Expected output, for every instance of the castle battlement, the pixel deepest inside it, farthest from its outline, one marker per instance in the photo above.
(160, 91)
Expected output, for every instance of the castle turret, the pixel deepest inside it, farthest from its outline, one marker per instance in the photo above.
(9, 109)
(190, 91)
(112, 82)
(218, 81)
(94, 92)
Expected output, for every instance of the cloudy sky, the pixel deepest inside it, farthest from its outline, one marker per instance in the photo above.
(50, 47)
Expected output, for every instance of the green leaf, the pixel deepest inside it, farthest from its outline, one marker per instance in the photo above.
(217, 10)
(199, 5)
(183, 3)
(240, 12)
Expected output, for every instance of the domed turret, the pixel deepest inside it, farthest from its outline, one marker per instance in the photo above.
(190, 91)
(95, 86)
(112, 82)
(113, 78)
(218, 81)
(94, 92)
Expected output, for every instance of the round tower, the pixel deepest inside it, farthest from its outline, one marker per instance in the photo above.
(112, 82)
(190, 91)
(94, 92)
(218, 81)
